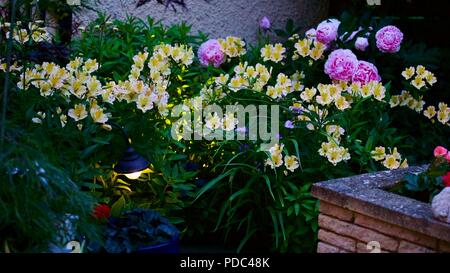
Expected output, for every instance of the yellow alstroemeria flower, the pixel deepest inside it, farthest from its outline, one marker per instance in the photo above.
(379, 153)
(430, 112)
(78, 112)
(291, 162)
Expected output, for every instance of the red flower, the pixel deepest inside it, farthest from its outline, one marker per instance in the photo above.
(446, 179)
(102, 211)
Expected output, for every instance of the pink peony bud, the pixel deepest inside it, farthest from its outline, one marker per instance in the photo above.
(264, 23)
(327, 31)
(440, 151)
(361, 43)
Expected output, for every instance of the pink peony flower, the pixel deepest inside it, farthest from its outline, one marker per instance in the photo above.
(366, 72)
(210, 52)
(361, 43)
(341, 65)
(264, 23)
(327, 31)
(447, 156)
(440, 151)
(389, 39)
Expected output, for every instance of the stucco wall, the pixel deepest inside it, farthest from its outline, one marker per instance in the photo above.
(219, 18)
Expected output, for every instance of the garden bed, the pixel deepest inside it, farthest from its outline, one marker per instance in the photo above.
(358, 214)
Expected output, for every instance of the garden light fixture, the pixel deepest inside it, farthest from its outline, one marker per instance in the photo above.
(132, 163)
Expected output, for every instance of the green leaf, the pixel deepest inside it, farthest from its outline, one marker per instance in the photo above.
(269, 186)
(246, 238)
(213, 182)
(275, 225)
(222, 213)
(88, 151)
(280, 217)
(91, 186)
(297, 209)
(239, 192)
(118, 206)
(122, 187)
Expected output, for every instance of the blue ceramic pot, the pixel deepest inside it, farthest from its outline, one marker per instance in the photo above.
(171, 246)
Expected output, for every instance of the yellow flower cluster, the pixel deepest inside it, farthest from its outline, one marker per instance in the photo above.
(328, 94)
(75, 81)
(391, 160)
(291, 162)
(146, 95)
(333, 152)
(245, 77)
(331, 149)
(14, 66)
(214, 92)
(306, 112)
(251, 77)
(274, 53)
(442, 115)
(407, 99)
(227, 123)
(372, 88)
(309, 47)
(35, 31)
(232, 46)
(285, 85)
(419, 76)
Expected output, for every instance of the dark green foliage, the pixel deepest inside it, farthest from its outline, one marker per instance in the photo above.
(35, 198)
(424, 186)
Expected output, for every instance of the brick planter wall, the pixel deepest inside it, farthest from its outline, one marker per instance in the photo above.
(357, 214)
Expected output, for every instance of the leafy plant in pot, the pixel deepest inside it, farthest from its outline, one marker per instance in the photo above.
(141, 231)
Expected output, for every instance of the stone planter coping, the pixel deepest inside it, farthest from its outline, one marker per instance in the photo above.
(366, 194)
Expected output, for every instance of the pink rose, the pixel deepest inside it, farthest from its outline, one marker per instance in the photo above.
(389, 39)
(341, 65)
(210, 52)
(440, 151)
(361, 43)
(264, 23)
(366, 72)
(327, 31)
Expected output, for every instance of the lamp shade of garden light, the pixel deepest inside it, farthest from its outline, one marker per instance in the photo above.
(131, 164)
